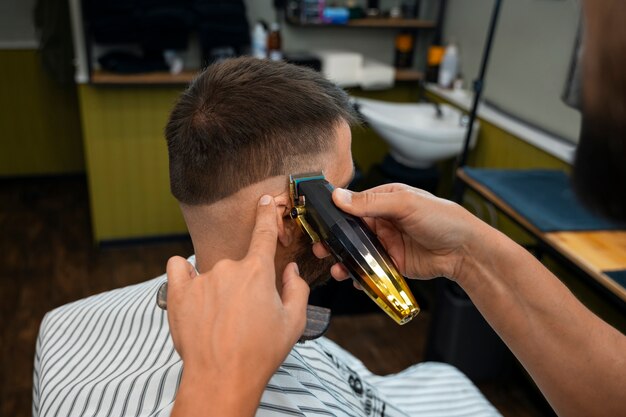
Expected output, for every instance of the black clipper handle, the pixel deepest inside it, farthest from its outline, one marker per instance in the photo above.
(353, 244)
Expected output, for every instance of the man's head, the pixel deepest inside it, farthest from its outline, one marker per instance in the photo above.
(244, 120)
(600, 166)
(237, 133)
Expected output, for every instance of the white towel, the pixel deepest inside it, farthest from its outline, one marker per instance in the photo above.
(376, 75)
(341, 67)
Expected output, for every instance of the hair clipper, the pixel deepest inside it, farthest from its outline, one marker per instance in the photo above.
(352, 243)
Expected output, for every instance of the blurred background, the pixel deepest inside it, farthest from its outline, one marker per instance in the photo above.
(86, 88)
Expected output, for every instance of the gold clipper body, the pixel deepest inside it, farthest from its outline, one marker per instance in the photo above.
(352, 243)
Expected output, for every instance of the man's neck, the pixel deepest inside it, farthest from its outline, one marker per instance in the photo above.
(214, 245)
(217, 233)
(222, 230)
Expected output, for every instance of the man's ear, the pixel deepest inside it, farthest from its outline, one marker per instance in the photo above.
(287, 228)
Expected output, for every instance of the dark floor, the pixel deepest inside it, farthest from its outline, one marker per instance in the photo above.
(47, 258)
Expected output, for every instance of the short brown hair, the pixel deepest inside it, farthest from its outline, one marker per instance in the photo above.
(245, 119)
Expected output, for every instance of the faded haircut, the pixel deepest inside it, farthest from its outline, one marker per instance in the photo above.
(244, 120)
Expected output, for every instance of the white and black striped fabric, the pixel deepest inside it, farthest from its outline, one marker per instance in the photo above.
(112, 355)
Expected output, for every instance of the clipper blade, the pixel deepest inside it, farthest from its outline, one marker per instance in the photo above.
(352, 243)
(374, 270)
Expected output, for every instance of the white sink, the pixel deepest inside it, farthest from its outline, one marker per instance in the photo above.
(416, 136)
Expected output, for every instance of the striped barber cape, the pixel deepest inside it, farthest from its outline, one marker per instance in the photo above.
(112, 355)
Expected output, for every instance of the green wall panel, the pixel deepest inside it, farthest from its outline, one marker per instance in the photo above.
(39, 120)
(127, 162)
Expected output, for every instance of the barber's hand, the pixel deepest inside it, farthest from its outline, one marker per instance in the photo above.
(426, 236)
(230, 325)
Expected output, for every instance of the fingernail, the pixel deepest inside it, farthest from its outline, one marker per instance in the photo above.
(296, 269)
(265, 200)
(344, 195)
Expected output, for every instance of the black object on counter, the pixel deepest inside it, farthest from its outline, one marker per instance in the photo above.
(411, 9)
(221, 24)
(154, 25)
(123, 62)
(304, 59)
(159, 25)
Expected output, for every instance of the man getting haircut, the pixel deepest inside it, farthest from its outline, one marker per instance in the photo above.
(234, 135)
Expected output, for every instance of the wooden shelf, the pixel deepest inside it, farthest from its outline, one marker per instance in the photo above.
(372, 22)
(99, 77)
(148, 78)
(392, 23)
(409, 75)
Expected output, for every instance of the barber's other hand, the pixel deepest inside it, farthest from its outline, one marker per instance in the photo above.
(230, 325)
(426, 236)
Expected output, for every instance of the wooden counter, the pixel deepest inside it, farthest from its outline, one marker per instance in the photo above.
(159, 77)
(595, 253)
(591, 252)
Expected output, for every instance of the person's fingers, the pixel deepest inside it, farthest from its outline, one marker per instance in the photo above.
(179, 271)
(389, 188)
(370, 222)
(320, 251)
(396, 187)
(295, 295)
(370, 204)
(387, 200)
(265, 233)
(339, 272)
(357, 285)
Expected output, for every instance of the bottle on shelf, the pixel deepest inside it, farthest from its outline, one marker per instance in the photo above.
(259, 41)
(404, 50)
(174, 61)
(274, 44)
(435, 56)
(449, 66)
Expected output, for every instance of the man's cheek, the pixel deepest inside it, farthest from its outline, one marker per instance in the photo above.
(312, 269)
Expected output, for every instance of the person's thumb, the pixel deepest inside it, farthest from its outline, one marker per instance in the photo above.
(179, 271)
(295, 295)
(366, 203)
